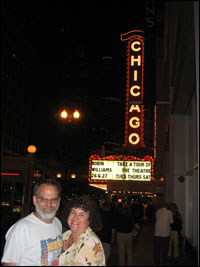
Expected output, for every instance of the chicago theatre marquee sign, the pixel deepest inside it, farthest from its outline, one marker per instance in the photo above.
(120, 167)
(134, 120)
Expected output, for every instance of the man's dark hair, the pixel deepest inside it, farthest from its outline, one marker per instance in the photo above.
(47, 182)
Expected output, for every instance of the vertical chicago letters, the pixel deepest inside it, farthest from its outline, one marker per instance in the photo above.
(134, 121)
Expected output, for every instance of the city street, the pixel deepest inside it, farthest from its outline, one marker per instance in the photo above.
(103, 98)
(143, 251)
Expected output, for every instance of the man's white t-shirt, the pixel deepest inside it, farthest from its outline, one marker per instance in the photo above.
(31, 242)
(164, 218)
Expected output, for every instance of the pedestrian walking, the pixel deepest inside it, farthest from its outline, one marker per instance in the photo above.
(150, 210)
(164, 218)
(176, 228)
(105, 234)
(124, 234)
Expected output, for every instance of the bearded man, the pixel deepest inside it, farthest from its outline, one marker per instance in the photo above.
(36, 240)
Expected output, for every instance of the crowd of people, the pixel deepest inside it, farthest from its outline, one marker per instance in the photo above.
(82, 231)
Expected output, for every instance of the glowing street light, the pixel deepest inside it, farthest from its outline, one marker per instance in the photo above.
(73, 176)
(59, 175)
(63, 114)
(76, 114)
(69, 115)
(31, 149)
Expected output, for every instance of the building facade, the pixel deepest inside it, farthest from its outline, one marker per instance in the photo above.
(178, 106)
(17, 66)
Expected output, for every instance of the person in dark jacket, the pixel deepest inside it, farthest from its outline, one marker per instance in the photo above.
(124, 228)
(105, 234)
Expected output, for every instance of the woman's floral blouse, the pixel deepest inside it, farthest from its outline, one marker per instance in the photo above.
(87, 250)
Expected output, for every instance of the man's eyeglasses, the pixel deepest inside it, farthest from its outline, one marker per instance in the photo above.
(46, 200)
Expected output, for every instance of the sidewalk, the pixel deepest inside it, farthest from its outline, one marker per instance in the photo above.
(143, 251)
(143, 247)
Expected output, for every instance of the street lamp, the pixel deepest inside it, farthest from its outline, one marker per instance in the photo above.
(73, 176)
(69, 115)
(31, 149)
(28, 176)
(59, 175)
(76, 114)
(63, 114)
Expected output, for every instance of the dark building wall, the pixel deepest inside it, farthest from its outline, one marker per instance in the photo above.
(177, 89)
(16, 81)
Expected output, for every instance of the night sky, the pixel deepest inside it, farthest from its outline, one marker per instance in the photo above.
(61, 27)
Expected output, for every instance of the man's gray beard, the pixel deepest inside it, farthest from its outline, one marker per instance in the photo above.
(46, 216)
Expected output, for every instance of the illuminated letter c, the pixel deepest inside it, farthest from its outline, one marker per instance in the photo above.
(133, 46)
(132, 90)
